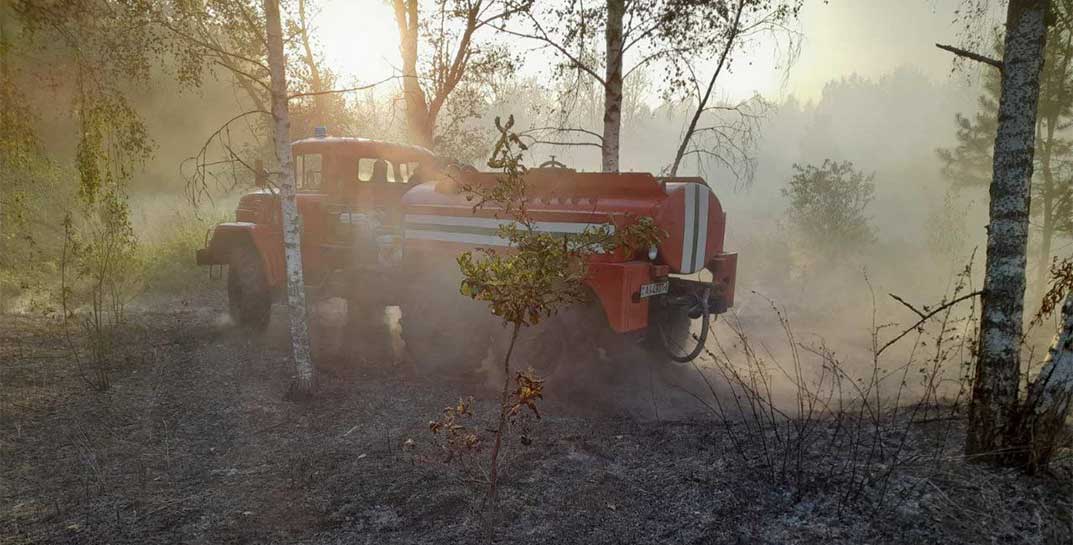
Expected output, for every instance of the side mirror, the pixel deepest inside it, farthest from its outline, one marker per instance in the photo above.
(260, 175)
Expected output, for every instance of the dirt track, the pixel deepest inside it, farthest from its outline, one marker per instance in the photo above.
(197, 442)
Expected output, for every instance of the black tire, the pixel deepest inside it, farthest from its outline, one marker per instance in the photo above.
(669, 334)
(248, 298)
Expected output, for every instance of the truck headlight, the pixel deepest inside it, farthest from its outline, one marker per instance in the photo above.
(652, 253)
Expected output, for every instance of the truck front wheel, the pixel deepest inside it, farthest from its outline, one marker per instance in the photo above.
(248, 297)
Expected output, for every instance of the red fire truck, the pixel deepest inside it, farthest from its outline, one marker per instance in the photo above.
(382, 224)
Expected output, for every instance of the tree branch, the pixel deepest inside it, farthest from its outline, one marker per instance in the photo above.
(210, 47)
(970, 55)
(546, 39)
(563, 129)
(907, 305)
(534, 140)
(927, 317)
(336, 91)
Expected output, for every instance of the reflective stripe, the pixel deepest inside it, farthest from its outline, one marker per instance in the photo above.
(463, 238)
(689, 229)
(694, 227)
(494, 223)
(701, 243)
(477, 231)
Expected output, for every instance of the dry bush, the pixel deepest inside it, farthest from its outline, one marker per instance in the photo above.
(99, 274)
(840, 434)
(462, 442)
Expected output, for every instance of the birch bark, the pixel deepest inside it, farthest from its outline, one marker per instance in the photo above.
(616, 10)
(292, 228)
(995, 387)
(1050, 398)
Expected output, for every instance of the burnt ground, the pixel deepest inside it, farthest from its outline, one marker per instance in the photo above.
(199, 441)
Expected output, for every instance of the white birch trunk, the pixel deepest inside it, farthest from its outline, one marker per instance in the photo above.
(1036, 437)
(1053, 387)
(995, 387)
(292, 228)
(616, 9)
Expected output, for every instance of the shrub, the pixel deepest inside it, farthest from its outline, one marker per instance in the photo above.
(537, 276)
(827, 206)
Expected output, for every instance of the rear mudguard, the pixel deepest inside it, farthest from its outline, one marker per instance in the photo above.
(724, 269)
(618, 287)
(227, 236)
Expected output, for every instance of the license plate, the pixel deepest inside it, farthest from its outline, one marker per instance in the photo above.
(655, 288)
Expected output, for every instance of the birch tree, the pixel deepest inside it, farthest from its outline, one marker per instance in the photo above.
(995, 385)
(292, 249)
(607, 42)
(570, 31)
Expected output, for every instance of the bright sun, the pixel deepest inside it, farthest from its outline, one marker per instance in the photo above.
(360, 39)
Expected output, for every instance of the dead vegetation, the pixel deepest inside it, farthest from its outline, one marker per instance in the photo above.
(195, 442)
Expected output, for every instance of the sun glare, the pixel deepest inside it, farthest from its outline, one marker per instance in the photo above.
(360, 39)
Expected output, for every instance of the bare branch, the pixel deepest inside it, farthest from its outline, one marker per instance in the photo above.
(241, 73)
(196, 183)
(970, 55)
(731, 35)
(534, 140)
(907, 305)
(563, 129)
(210, 47)
(337, 91)
(925, 318)
(545, 38)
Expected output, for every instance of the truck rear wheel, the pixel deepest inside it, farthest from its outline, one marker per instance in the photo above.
(670, 334)
(248, 298)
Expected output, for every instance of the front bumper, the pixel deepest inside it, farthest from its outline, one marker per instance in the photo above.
(204, 256)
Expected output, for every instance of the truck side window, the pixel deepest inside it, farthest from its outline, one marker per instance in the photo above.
(371, 169)
(308, 171)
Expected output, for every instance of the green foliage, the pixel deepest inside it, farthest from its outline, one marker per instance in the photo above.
(543, 272)
(99, 274)
(103, 52)
(827, 206)
(165, 255)
(969, 163)
(113, 145)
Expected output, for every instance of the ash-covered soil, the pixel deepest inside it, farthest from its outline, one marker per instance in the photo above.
(198, 441)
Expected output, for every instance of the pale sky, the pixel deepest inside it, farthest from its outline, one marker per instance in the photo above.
(867, 37)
